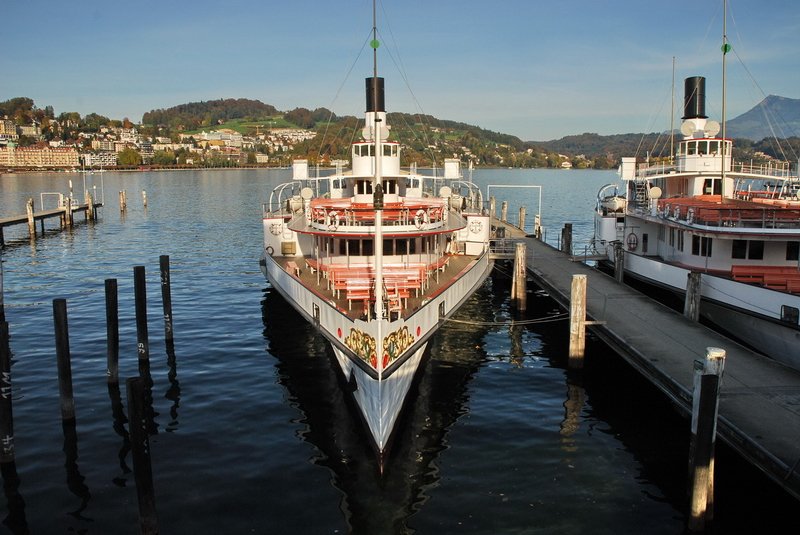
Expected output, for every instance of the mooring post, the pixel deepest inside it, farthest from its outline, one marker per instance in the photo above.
(2, 305)
(493, 207)
(705, 406)
(166, 298)
(6, 416)
(566, 238)
(691, 304)
(144, 198)
(140, 448)
(140, 296)
(522, 218)
(31, 221)
(619, 262)
(577, 321)
(89, 206)
(519, 281)
(112, 331)
(123, 202)
(537, 227)
(504, 211)
(63, 359)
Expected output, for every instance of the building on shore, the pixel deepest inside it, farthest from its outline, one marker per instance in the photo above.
(39, 157)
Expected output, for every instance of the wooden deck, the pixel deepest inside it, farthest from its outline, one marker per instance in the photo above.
(759, 410)
(358, 285)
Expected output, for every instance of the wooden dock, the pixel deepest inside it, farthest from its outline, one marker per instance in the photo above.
(64, 214)
(759, 404)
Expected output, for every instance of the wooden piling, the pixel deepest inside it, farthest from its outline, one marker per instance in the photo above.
(68, 212)
(519, 285)
(577, 321)
(123, 201)
(566, 238)
(522, 213)
(166, 298)
(537, 226)
(504, 211)
(140, 448)
(6, 416)
(691, 304)
(89, 206)
(705, 405)
(2, 305)
(140, 296)
(492, 206)
(112, 331)
(144, 198)
(31, 221)
(63, 359)
(619, 262)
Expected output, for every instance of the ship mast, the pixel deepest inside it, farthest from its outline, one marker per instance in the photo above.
(377, 190)
(725, 49)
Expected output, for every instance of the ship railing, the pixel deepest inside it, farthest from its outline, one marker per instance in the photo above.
(419, 217)
(767, 217)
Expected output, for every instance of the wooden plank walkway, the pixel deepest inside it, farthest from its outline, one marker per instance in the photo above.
(759, 408)
(41, 215)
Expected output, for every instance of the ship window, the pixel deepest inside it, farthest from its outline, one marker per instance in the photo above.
(366, 247)
(702, 147)
(712, 186)
(390, 186)
(672, 237)
(390, 150)
(755, 250)
(790, 314)
(793, 250)
(739, 249)
(662, 234)
(644, 242)
(701, 246)
(691, 147)
(680, 240)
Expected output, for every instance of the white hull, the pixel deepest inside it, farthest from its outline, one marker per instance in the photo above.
(751, 314)
(379, 393)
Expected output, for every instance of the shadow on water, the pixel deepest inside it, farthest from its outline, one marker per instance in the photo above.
(15, 521)
(372, 502)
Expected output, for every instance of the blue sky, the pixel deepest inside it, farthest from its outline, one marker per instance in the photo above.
(536, 69)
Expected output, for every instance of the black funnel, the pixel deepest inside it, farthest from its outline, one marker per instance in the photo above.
(694, 98)
(372, 102)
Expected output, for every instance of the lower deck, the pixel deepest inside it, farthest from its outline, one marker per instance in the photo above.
(351, 288)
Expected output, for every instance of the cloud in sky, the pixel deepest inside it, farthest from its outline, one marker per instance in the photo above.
(538, 70)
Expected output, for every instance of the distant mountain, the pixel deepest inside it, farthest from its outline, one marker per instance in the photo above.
(782, 113)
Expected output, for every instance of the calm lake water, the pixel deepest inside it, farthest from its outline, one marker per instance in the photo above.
(253, 433)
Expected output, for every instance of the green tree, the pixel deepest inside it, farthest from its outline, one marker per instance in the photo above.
(164, 157)
(129, 157)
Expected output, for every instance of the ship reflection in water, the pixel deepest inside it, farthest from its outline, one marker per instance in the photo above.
(374, 502)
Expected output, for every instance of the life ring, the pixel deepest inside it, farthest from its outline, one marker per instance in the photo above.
(420, 218)
(270, 250)
(633, 241)
(333, 220)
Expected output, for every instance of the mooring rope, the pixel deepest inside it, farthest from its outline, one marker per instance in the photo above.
(549, 319)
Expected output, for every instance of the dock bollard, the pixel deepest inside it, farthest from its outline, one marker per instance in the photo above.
(140, 448)
(6, 415)
(566, 238)
(123, 201)
(112, 331)
(619, 262)
(522, 213)
(705, 405)
(504, 211)
(577, 321)
(63, 359)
